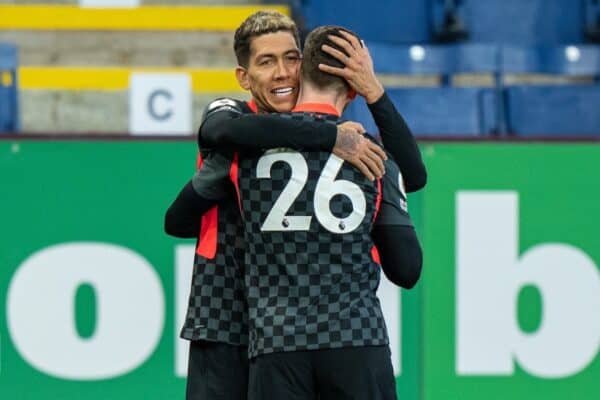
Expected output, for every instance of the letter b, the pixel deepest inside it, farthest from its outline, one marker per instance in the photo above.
(490, 274)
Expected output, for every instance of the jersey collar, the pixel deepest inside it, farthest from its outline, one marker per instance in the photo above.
(252, 104)
(321, 108)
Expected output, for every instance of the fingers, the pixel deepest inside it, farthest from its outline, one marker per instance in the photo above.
(341, 72)
(374, 162)
(337, 54)
(344, 44)
(354, 126)
(374, 166)
(364, 169)
(377, 150)
(359, 151)
(352, 39)
(369, 153)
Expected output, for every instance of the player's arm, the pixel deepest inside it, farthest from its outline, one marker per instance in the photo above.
(208, 186)
(394, 235)
(397, 138)
(184, 215)
(399, 141)
(225, 125)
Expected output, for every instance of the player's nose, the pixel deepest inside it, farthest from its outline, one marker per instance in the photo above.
(282, 71)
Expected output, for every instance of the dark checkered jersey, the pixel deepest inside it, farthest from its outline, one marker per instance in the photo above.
(310, 276)
(217, 309)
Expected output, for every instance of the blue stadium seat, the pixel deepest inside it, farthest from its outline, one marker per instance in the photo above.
(556, 110)
(525, 21)
(485, 21)
(571, 61)
(395, 21)
(443, 111)
(8, 89)
(592, 20)
(448, 20)
(558, 60)
(434, 59)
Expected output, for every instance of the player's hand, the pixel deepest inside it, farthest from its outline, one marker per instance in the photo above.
(358, 71)
(353, 147)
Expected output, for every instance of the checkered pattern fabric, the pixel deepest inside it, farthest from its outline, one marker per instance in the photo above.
(308, 288)
(217, 309)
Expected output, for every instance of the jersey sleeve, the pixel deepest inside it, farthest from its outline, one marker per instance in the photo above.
(393, 232)
(211, 181)
(183, 217)
(230, 124)
(394, 207)
(399, 142)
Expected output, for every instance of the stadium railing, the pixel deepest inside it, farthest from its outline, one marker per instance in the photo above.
(9, 111)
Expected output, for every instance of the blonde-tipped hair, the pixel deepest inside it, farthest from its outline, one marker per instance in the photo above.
(257, 24)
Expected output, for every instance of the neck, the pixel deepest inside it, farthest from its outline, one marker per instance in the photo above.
(310, 94)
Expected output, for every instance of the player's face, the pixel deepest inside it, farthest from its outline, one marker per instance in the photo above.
(272, 73)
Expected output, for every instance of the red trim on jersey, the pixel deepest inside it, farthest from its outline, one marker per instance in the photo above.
(322, 108)
(377, 199)
(207, 237)
(233, 176)
(207, 241)
(374, 252)
(375, 255)
(252, 104)
(199, 161)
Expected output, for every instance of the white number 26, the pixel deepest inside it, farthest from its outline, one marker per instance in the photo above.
(327, 187)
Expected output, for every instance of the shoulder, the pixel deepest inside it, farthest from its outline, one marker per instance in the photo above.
(225, 105)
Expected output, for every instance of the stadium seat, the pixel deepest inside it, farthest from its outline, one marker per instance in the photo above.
(556, 110)
(592, 20)
(448, 18)
(442, 111)
(434, 60)
(525, 22)
(559, 60)
(394, 21)
(8, 89)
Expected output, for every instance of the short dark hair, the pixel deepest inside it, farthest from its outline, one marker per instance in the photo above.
(313, 55)
(257, 24)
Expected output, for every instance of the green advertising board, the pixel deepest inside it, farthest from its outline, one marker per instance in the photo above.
(511, 289)
(71, 209)
(92, 291)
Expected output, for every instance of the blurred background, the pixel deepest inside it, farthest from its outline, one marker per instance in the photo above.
(99, 103)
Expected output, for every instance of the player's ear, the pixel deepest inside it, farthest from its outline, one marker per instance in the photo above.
(351, 94)
(241, 74)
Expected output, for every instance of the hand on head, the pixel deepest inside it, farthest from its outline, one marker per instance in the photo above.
(358, 68)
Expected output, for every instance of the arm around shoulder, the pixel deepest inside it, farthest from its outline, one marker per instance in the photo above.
(183, 216)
